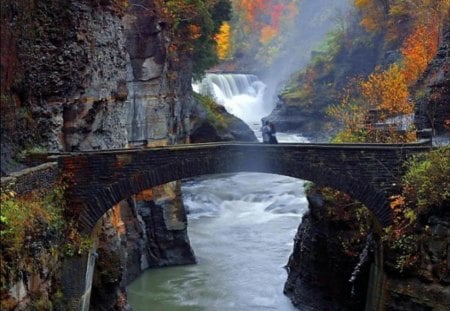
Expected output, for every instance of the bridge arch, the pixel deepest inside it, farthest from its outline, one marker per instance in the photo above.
(99, 180)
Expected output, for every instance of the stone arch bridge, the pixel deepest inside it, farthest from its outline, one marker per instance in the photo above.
(97, 180)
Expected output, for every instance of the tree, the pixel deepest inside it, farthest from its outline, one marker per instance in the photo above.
(418, 50)
(223, 40)
(387, 91)
(194, 26)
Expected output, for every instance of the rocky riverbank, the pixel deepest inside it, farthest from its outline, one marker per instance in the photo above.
(327, 251)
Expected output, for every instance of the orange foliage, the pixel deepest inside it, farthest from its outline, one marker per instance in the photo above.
(388, 91)
(418, 49)
(267, 34)
(264, 17)
(374, 13)
(195, 31)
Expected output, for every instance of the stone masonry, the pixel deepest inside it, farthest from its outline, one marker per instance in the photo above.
(97, 181)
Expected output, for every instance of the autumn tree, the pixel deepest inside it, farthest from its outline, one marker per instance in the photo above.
(194, 25)
(387, 91)
(418, 50)
(351, 113)
(223, 39)
(260, 24)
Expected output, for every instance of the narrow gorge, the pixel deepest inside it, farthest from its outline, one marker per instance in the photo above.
(92, 88)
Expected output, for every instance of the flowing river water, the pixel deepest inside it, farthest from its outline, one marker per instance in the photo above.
(241, 228)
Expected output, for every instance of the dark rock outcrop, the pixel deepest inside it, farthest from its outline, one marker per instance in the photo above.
(425, 285)
(205, 130)
(63, 86)
(148, 230)
(319, 267)
(297, 119)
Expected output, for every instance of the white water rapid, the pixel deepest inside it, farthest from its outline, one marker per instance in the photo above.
(241, 227)
(241, 94)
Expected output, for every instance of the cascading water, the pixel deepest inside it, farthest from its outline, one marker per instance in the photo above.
(241, 94)
(241, 227)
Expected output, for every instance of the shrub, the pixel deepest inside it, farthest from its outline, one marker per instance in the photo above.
(427, 180)
(32, 226)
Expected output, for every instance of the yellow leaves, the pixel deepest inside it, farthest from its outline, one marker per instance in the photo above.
(370, 24)
(223, 39)
(388, 91)
(384, 92)
(403, 216)
(349, 113)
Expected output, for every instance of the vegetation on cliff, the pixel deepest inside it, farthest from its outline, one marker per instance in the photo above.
(373, 61)
(426, 193)
(415, 245)
(194, 25)
(35, 235)
(214, 123)
(214, 112)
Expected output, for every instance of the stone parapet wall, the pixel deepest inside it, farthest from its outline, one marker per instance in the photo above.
(38, 178)
(369, 173)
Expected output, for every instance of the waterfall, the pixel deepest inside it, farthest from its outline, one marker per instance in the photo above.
(241, 94)
(86, 297)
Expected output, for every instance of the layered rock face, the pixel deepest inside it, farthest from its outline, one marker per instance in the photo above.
(159, 101)
(426, 284)
(67, 90)
(150, 229)
(137, 234)
(80, 76)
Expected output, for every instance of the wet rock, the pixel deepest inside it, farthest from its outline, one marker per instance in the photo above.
(204, 129)
(318, 269)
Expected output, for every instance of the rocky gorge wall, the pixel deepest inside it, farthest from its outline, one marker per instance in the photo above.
(66, 70)
(298, 112)
(327, 250)
(83, 75)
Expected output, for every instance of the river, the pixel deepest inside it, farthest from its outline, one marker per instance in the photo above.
(241, 227)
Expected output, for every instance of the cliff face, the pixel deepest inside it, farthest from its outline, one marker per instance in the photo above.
(325, 255)
(84, 75)
(159, 101)
(65, 73)
(135, 235)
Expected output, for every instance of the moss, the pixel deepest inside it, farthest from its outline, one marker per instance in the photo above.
(214, 112)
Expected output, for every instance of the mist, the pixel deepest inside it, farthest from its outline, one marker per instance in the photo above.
(316, 18)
